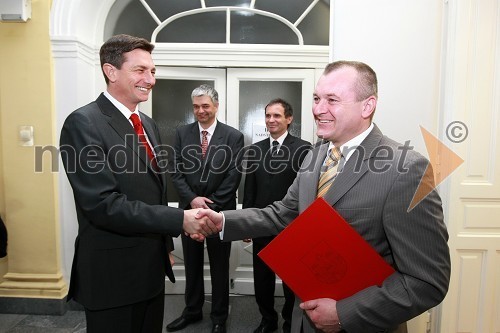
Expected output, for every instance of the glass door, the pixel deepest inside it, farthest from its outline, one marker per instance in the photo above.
(248, 92)
(170, 106)
(243, 94)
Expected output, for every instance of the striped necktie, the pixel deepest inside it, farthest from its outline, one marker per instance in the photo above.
(204, 143)
(328, 171)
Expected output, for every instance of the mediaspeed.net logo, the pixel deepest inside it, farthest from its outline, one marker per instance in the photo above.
(442, 159)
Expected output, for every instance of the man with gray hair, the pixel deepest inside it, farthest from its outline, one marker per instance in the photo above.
(206, 176)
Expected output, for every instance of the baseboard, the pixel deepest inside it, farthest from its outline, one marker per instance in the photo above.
(37, 306)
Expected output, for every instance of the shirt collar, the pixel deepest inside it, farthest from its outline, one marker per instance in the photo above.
(351, 145)
(280, 139)
(210, 130)
(122, 108)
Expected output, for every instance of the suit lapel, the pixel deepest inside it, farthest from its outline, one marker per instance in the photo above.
(312, 177)
(355, 168)
(122, 127)
(147, 124)
(264, 147)
(288, 143)
(289, 140)
(118, 122)
(216, 140)
(194, 140)
(148, 127)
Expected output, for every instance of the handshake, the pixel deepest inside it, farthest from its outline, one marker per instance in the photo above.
(200, 223)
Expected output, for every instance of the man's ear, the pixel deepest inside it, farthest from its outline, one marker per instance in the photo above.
(110, 71)
(369, 106)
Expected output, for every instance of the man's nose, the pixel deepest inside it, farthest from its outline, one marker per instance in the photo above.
(150, 78)
(319, 107)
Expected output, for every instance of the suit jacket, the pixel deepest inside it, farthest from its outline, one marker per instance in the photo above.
(373, 193)
(265, 172)
(121, 253)
(216, 177)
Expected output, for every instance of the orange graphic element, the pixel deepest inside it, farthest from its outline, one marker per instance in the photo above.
(442, 160)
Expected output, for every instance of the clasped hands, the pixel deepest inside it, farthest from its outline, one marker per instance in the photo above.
(200, 223)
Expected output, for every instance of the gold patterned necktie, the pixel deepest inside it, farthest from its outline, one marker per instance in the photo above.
(328, 171)
(204, 143)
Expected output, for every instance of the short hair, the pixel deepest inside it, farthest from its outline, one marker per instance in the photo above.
(206, 90)
(366, 85)
(112, 50)
(288, 108)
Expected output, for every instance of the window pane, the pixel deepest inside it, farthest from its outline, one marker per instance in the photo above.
(130, 17)
(254, 96)
(164, 9)
(248, 28)
(199, 28)
(315, 26)
(236, 3)
(172, 107)
(315, 31)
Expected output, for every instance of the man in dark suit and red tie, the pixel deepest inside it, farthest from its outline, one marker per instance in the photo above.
(125, 227)
(271, 170)
(206, 176)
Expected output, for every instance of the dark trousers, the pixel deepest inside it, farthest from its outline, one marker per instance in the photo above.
(142, 317)
(264, 284)
(218, 256)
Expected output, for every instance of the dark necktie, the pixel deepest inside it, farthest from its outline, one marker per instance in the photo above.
(328, 171)
(204, 143)
(139, 130)
(274, 149)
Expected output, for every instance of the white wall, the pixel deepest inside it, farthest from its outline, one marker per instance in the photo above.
(401, 41)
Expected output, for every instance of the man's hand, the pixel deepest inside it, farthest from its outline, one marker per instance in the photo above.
(323, 313)
(171, 258)
(215, 221)
(200, 202)
(200, 225)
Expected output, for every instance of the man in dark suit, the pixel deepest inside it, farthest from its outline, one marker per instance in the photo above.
(271, 170)
(125, 228)
(373, 189)
(206, 176)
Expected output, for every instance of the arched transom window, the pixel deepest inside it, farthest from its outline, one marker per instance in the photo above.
(291, 22)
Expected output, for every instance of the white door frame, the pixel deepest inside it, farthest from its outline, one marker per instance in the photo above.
(218, 75)
(226, 82)
(306, 76)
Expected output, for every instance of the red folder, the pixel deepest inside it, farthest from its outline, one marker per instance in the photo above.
(319, 255)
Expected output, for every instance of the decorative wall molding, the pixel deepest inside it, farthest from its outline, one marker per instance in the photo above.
(36, 285)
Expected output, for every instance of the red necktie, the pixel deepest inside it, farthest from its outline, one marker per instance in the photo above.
(136, 121)
(204, 143)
